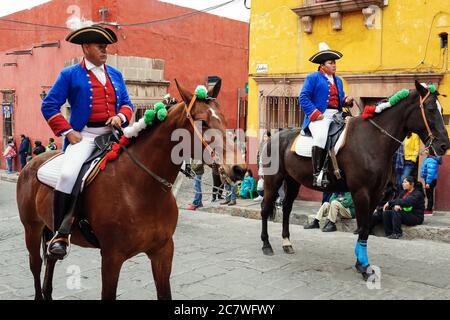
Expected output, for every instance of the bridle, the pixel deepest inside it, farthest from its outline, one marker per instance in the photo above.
(425, 120)
(188, 109)
(215, 158)
(167, 185)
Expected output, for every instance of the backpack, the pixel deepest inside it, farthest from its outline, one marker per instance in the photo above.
(12, 152)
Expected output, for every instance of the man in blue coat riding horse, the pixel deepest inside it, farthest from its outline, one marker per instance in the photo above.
(321, 97)
(98, 98)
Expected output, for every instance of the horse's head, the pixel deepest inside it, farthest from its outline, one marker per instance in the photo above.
(427, 121)
(208, 129)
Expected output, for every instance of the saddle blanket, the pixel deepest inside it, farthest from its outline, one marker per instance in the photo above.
(50, 171)
(303, 144)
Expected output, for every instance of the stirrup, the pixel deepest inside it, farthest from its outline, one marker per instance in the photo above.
(320, 179)
(55, 238)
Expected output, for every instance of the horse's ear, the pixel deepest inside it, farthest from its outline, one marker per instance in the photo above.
(421, 89)
(185, 94)
(214, 91)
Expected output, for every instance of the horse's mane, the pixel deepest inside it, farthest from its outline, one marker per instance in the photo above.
(395, 101)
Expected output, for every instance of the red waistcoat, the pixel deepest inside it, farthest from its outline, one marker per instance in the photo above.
(103, 99)
(334, 97)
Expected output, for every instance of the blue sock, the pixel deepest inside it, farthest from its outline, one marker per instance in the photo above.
(361, 252)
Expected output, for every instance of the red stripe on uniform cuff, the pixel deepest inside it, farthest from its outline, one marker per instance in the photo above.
(59, 124)
(126, 111)
(316, 113)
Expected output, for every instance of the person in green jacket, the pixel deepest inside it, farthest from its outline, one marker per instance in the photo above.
(248, 186)
(341, 204)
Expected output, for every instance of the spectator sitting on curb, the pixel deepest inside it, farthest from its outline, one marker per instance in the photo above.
(230, 198)
(248, 186)
(341, 204)
(406, 209)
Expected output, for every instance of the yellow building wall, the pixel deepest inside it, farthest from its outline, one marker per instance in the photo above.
(405, 39)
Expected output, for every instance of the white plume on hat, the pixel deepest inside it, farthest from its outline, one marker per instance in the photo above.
(323, 46)
(75, 23)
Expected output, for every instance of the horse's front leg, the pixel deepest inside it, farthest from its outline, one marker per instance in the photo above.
(111, 265)
(364, 211)
(162, 267)
(292, 188)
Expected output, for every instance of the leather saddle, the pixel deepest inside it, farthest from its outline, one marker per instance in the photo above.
(335, 130)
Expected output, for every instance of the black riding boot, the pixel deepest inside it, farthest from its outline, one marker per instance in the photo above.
(62, 205)
(318, 157)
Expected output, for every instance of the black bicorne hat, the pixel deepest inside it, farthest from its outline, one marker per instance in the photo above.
(325, 54)
(92, 34)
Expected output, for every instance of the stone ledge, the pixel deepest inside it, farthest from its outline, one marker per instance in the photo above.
(424, 231)
(324, 8)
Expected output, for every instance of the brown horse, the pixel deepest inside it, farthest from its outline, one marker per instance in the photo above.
(365, 160)
(129, 211)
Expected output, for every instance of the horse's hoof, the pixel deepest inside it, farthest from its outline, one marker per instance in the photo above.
(366, 272)
(359, 267)
(288, 249)
(268, 251)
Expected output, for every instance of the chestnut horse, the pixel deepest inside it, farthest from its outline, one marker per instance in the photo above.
(365, 161)
(129, 211)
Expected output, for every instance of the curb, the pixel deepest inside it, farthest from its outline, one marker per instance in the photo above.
(423, 232)
(9, 177)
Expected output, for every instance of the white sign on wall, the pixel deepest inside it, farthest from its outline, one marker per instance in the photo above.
(262, 68)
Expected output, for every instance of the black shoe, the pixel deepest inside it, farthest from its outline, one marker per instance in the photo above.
(58, 247)
(394, 236)
(312, 225)
(318, 156)
(225, 202)
(232, 203)
(329, 227)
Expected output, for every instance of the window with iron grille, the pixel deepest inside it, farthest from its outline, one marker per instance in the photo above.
(280, 112)
(140, 110)
(8, 116)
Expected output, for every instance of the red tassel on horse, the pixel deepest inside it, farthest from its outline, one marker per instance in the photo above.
(111, 155)
(369, 112)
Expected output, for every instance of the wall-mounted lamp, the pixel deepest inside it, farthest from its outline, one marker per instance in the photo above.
(103, 13)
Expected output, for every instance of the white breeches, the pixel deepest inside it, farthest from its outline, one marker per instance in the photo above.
(319, 128)
(75, 155)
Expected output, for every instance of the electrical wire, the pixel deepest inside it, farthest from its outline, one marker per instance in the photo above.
(186, 15)
(33, 24)
(174, 18)
(34, 30)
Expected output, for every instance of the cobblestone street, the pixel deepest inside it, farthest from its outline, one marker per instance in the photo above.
(219, 257)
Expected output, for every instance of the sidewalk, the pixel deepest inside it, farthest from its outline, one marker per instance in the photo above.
(9, 177)
(436, 228)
